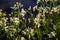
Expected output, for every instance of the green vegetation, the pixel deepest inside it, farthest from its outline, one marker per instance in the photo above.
(45, 26)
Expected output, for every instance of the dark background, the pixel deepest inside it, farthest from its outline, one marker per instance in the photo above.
(4, 4)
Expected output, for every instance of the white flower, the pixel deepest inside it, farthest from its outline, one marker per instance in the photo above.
(16, 20)
(57, 39)
(53, 33)
(32, 31)
(43, 20)
(54, 27)
(23, 12)
(45, 10)
(50, 36)
(38, 1)
(14, 29)
(16, 6)
(0, 10)
(46, 0)
(50, 12)
(9, 14)
(27, 30)
(29, 8)
(17, 3)
(0, 22)
(37, 21)
(29, 19)
(39, 25)
(6, 28)
(11, 19)
(39, 15)
(54, 9)
(24, 32)
(22, 38)
(40, 9)
(17, 38)
(4, 20)
(34, 8)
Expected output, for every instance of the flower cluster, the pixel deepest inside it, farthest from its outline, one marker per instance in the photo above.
(44, 26)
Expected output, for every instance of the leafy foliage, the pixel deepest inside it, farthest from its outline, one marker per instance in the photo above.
(45, 25)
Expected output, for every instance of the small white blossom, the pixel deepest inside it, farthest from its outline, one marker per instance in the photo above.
(46, 0)
(57, 39)
(39, 25)
(1, 10)
(44, 11)
(17, 3)
(14, 29)
(4, 20)
(54, 9)
(29, 19)
(54, 27)
(43, 20)
(37, 21)
(16, 6)
(22, 38)
(50, 12)
(16, 20)
(6, 28)
(50, 36)
(24, 32)
(32, 31)
(17, 38)
(34, 8)
(23, 12)
(0, 22)
(39, 15)
(11, 19)
(38, 1)
(53, 33)
(9, 14)
(27, 30)
(29, 8)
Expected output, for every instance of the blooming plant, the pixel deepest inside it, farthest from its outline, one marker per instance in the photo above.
(45, 25)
